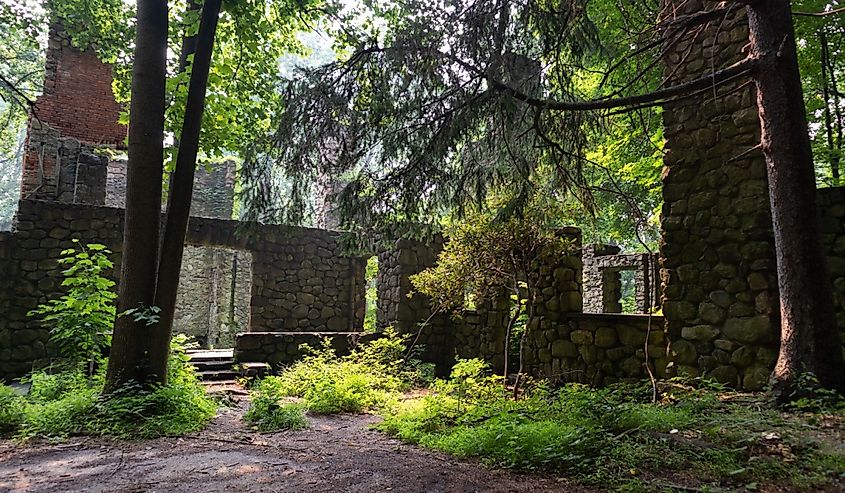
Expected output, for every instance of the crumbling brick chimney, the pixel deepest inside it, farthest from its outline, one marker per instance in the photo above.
(76, 113)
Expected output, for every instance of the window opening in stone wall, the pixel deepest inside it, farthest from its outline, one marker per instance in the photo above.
(11, 159)
(213, 301)
(371, 295)
(628, 291)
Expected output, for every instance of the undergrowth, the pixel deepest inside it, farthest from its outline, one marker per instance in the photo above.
(373, 376)
(615, 437)
(70, 402)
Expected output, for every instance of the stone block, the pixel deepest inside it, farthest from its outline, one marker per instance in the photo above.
(581, 337)
(749, 329)
(699, 332)
(683, 352)
(605, 337)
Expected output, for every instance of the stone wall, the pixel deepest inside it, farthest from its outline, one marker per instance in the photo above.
(60, 168)
(300, 278)
(213, 196)
(832, 222)
(399, 306)
(598, 349)
(603, 265)
(718, 268)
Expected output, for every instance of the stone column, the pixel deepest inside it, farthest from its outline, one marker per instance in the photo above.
(717, 259)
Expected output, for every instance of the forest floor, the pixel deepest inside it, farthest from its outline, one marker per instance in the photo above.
(336, 454)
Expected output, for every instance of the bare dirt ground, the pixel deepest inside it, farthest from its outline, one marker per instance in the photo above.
(337, 454)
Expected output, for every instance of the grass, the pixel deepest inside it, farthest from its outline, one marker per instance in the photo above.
(699, 436)
(65, 403)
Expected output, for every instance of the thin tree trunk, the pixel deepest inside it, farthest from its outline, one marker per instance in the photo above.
(132, 358)
(833, 156)
(189, 40)
(182, 180)
(809, 336)
(508, 332)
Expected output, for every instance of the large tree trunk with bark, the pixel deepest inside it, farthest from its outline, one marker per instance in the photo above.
(809, 335)
(132, 356)
(182, 180)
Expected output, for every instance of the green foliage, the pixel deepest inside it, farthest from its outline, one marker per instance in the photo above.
(370, 278)
(21, 66)
(81, 320)
(487, 254)
(810, 395)
(268, 414)
(71, 403)
(610, 437)
(12, 410)
(371, 377)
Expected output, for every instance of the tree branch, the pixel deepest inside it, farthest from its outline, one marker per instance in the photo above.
(838, 11)
(740, 68)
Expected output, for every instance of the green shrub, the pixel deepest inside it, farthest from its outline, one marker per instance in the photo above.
(267, 414)
(70, 403)
(12, 410)
(81, 320)
(371, 377)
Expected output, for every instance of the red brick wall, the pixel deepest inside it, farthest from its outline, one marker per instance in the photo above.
(77, 102)
(78, 99)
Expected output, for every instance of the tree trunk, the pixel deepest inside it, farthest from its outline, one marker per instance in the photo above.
(132, 358)
(809, 335)
(182, 180)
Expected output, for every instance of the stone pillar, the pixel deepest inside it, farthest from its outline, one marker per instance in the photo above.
(717, 259)
(399, 306)
(557, 291)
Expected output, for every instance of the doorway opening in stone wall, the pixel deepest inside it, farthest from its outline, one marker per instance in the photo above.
(628, 291)
(371, 294)
(212, 304)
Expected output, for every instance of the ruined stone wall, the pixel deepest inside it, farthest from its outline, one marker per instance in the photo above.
(718, 268)
(598, 349)
(213, 196)
(212, 304)
(831, 203)
(399, 306)
(60, 168)
(603, 265)
(300, 278)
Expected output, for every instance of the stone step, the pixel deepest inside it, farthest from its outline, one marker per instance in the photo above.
(217, 375)
(254, 369)
(210, 355)
(215, 365)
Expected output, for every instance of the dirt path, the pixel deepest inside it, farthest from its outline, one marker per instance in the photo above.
(337, 454)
